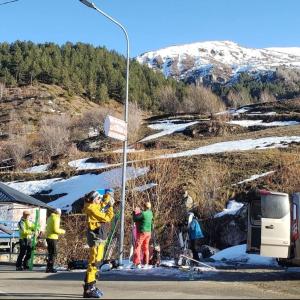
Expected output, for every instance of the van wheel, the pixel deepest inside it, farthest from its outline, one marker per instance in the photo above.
(284, 263)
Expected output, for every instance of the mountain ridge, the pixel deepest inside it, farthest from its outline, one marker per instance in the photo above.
(222, 60)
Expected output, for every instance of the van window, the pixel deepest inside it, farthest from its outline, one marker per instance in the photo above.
(255, 215)
(274, 207)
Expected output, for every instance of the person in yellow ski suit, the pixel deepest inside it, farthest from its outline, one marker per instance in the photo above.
(98, 212)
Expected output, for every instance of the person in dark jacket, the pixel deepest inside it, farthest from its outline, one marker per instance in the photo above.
(145, 226)
(26, 230)
(196, 235)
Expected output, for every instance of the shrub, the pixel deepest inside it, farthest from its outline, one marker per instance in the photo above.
(54, 135)
(199, 99)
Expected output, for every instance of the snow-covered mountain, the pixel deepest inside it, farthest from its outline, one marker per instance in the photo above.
(218, 61)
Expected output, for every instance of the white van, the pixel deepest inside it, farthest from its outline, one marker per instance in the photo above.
(273, 227)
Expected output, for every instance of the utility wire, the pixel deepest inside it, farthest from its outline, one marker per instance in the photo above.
(9, 2)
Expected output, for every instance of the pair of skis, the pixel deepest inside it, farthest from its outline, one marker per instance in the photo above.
(34, 239)
(111, 240)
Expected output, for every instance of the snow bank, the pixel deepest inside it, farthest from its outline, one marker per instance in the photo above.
(232, 208)
(167, 128)
(254, 177)
(77, 186)
(82, 164)
(38, 169)
(239, 145)
(247, 123)
(238, 254)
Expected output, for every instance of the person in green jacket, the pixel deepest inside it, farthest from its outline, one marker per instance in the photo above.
(26, 229)
(145, 224)
(53, 230)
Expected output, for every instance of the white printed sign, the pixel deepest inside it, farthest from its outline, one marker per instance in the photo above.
(115, 128)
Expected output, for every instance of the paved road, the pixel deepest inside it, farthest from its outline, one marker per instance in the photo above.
(241, 283)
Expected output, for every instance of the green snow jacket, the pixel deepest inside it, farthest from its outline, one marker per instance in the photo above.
(144, 221)
(26, 229)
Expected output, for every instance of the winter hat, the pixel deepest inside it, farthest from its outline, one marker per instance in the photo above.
(58, 211)
(26, 213)
(92, 196)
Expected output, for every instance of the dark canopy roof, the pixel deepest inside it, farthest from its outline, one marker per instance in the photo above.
(8, 194)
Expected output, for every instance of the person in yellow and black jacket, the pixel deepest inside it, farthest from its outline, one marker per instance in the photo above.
(98, 213)
(53, 230)
(26, 230)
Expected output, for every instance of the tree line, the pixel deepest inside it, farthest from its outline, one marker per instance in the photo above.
(93, 72)
(100, 75)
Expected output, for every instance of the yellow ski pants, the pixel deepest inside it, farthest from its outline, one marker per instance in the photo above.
(96, 255)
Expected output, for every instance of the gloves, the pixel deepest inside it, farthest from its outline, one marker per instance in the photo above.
(111, 201)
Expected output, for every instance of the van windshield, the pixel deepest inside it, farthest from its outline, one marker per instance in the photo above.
(274, 207)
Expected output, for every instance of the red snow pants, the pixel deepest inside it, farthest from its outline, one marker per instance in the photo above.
(142, 243)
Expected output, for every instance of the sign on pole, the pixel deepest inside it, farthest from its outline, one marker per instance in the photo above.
(115, 128)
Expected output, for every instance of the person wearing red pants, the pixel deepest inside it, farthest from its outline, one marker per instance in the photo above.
(145, 224)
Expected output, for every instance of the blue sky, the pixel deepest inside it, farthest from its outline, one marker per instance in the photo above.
(153, 24)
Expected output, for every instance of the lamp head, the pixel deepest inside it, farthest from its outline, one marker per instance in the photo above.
(88, 3)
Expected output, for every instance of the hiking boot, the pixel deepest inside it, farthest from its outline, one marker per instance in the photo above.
(147, 267)
(91, 291)
(25, 267)
(136, 266)
(51, 270)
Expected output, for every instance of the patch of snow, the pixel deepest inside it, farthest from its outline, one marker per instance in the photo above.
(93, 132)
(258, 113)
(238, 254)
(77, 186)
(232, 208)
(242, 110)
(82, 164)
(33, 187)
(239, 145)
(145, 187)
(167, 129)
(38, 169)
(254, 177)
(247, 123)
(129, 150)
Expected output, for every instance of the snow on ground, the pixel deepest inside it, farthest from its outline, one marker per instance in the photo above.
(167, 127)
(144, 187)
(38, 169)
(77, 186)
(238, 254)
(254, 177)
(167, 271)
(247, 123)
(82, 164)
(129, 150)
(259, 113)
(239, 145)
(232, 208)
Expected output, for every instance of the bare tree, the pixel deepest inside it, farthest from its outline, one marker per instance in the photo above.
(135, 118)
(54, 134)
(89, 123)
(2, 90)
(168, 100)
(266, 96)
(201, 100)
(238, 98)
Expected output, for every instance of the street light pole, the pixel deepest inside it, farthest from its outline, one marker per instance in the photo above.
(93, 6)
